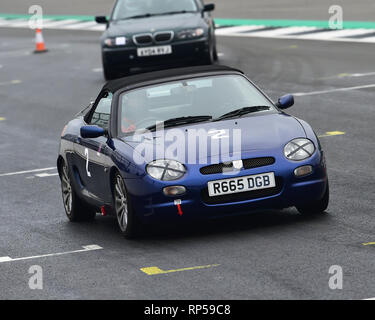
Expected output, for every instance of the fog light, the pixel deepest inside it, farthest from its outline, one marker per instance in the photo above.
(174, 191)
(303, 171)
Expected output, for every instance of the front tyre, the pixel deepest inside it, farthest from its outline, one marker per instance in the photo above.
(126, 219)
(210, 55)
(108, 73)
(75, 208)
(317, 206)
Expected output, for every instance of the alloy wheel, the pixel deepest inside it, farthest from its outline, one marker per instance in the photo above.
(121, 204)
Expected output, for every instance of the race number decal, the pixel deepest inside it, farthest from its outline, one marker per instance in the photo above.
(87, 162)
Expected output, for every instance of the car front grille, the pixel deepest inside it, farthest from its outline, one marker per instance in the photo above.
(143, 39)
(163, 37)
(243, 196)
(247, 164)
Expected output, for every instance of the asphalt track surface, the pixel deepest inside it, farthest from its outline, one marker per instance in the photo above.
(361, 10)
(268, 255)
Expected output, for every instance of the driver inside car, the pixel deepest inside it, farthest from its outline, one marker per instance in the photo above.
(134, 109)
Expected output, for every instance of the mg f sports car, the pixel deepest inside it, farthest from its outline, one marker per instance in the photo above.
(148, 34)
(198, 142)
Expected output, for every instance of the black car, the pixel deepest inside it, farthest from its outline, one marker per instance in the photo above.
(153, 34)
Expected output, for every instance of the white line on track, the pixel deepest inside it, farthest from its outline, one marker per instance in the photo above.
(85, 249)
(27, 171)
(236, 30)
(301, 94)
(45, 175)
(80, 26)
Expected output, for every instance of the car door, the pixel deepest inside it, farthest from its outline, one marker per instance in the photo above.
(93, 154)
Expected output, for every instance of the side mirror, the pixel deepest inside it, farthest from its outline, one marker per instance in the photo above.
(92, 132)
(285, 102)
(209, 7)
(101, 19)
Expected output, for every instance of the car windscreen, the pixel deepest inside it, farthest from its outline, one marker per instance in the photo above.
(133, 8)
(204, 96)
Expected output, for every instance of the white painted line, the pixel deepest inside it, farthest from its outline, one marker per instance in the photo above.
(301, 94)
(236, 30)
(58, 23)
(99, 27)
(85, 249)
(369, 299)
(11, 22)
(281, 32)
(20, 24)
(45, 175)
(3, 22)
(27, 171)
(5, 259)
(329, 34)
(362, 74)
(80, 26)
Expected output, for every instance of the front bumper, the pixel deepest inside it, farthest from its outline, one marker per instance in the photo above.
(183, 53)
(150, 204)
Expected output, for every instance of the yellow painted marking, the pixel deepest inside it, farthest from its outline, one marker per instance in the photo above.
(368, 243)
(155, 270)
(332, 133)
(2, 119)
(293, 46)
(10, 82)
(343, 75)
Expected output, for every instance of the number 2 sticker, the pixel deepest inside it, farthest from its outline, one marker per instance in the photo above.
(87, 162)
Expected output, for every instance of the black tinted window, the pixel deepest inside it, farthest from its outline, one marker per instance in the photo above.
(102, 112)
(130, 8)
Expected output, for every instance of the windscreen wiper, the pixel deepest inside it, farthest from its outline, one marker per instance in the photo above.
(147, 15)
(178, 121)
(177, 12)
(241, 112)
(138, 16)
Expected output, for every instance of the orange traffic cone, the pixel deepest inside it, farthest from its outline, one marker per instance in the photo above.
(40, 47)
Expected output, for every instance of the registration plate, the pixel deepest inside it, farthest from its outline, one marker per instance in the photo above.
(241, 184)
(154, 51)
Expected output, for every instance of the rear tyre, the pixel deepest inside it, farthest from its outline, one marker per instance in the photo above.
(126, 219)
(75, 208)
(317, 206)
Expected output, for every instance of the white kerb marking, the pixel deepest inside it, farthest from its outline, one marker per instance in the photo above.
(27, 171)
(301, 94)
(85, 249)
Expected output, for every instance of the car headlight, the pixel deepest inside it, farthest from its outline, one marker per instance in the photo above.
(190, 33)
(166, 170)
(114, 42)
(299, 149)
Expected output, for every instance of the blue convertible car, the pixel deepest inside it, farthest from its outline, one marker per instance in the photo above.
(198, 142)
